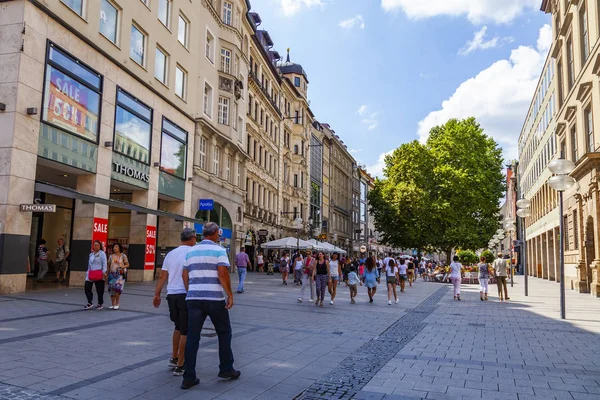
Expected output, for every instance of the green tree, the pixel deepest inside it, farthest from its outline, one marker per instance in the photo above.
(489, 256)
(467, 257)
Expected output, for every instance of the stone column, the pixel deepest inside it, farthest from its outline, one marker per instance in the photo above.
(140, 236)
(595, 266)
(581, 284)
(544, 255)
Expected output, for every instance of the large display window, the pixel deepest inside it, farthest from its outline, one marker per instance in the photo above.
(72, 95)
(173, 149)
(133, 128)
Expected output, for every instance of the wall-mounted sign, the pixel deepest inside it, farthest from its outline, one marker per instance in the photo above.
(45, 208)
(263, 232)
(363, 249)
(206, 204)
(100, 231)
(131, 172)
(150, 247)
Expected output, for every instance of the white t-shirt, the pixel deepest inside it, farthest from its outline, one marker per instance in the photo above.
(403, 268)
(299, 264)
(333, 268)
(173, 264)
(260, 260)
(391, 271)
(386, 261)
(455, 267)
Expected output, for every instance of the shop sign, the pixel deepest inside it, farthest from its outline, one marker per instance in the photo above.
(100, 231)
(263, 232)
(44, 208)
(150, 247)
(131, 172)
(206, 204)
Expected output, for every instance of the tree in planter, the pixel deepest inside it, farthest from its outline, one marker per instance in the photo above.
(489, 256)
(467, 257)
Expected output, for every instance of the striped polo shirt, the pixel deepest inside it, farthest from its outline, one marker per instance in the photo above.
(202, 262)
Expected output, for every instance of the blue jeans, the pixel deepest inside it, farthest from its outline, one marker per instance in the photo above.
(242, 276)
(198, 310)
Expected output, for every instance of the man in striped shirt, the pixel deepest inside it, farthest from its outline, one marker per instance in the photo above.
(205, 276)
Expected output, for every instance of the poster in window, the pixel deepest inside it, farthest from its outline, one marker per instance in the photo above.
(70, 105)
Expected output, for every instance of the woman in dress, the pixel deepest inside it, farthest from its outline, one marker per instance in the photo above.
(284, 267)
(260, 260)
(117, 268)
(95, 275)
(455, 277)
(320, 275)
(335, 272)
(484, 277)
(391, 272)
(371, 278)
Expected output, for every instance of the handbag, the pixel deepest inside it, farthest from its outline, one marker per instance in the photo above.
(95, 275)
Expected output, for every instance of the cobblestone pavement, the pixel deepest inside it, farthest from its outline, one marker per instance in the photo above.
(428, 346)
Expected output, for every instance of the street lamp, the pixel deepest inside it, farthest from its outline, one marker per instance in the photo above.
(524, 212)
(560, 182)
(298, 223)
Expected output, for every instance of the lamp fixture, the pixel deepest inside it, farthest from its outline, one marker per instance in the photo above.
(2, 107)
(32, 111)
(108, 144)
(156, 164)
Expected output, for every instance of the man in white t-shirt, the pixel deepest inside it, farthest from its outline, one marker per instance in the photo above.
(171, 270)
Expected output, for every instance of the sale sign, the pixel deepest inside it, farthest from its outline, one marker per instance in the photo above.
(100, 232)
(150, 247)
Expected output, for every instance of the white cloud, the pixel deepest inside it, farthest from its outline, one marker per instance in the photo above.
(291, 7)
(479, 43)
(354, 151)
(545, 39)
(352, 22)
(377, 168)
(369, 119)
(477, 11)
(498, 96)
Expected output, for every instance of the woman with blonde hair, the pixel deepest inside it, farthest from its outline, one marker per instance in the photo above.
(117, 269)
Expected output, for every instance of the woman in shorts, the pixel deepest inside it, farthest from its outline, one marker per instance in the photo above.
(402, 273)
(391, 274)
(371, 277)
(335, 272)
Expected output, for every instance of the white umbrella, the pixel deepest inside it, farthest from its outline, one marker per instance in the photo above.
(332, 249)
(288, 243)
(318, 246)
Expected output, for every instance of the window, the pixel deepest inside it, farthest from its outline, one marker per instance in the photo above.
(72, 95)
(297, 81)
(75, 5)
(180, 81)
(226, 61)
(173, 149)
(295, 180)
(160, 66)
(574, 155)
(164, 12)
(223, 111)
(585, 34)
(133, 127)
(238, 179)
(566, 231)
(575, 231)
(589, 129)
(234, 116)
(202, 160)
(227, 9)
(183, 30)
(109, 15)
(570, 65)
(210, 47)
(228, 168)
(208, 98)
(216, 158)
(137, 46)
(295, 149)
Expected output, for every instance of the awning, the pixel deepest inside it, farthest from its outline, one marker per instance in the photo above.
(73, 194)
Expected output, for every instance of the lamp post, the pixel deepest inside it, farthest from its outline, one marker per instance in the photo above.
(561, 181)
(298, 223)
(524, 212)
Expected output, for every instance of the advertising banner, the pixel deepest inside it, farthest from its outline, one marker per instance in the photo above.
(100, 231)
(150, 247)
(70, 105)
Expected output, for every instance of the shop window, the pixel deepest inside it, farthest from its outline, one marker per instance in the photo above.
(173, 149)
(72, 95)
(133, 127)
(109, 19)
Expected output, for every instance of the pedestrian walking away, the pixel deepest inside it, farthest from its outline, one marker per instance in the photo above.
(284, 267)
(353, 282)
(205, 277)
(242, 262)
(501, 273)
(171, 273)
(371, 278)
(484, 277)
(455, 277)
(321, 277)
(95, 276)
(402, 273)
(60, 261)
(42, 259)
(391, 273)
(117, 269)
(307, 277)
(410, 271)
(298, 268)
(260, 260)
(335, 272)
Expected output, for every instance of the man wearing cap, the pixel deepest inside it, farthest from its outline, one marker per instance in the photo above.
(171, 271)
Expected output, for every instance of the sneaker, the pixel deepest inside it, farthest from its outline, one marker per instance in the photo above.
(331, 302)
(185, 385)
(458, 297)
(87, 306)
(99, 307)
(508, 298)
(396, 301)
(233, 374)
(389, 302)
(117, 307)
(178, 371)
(370, 299)
(111, 307)
(352, 301)
(285, 283)
(239, 291)
(173, 362)
(310, 300)
(299, 299)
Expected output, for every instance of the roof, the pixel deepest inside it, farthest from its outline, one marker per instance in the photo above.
(292, 68)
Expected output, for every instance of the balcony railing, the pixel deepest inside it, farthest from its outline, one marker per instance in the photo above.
(264, 90)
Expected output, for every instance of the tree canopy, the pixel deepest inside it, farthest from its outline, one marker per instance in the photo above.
(441, 194)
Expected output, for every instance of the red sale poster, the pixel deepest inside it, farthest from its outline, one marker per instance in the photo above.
(150, 247)
(100, 232)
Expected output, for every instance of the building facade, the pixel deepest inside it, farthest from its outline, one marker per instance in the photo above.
(576, 50)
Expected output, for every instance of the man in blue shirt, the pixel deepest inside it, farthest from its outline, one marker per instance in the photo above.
(205, 276)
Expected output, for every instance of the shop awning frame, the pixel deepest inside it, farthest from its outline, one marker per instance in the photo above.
(73, 194)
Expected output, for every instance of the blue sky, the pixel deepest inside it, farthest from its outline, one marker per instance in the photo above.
(383, 72)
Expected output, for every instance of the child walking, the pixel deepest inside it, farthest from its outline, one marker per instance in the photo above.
(353, 282)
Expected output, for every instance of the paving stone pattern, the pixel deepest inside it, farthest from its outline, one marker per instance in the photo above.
(354, 372)
(8, 392)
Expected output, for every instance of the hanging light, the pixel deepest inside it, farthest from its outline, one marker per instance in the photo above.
(561, 166)
(523, 203)
(524, 212)
(560, 183)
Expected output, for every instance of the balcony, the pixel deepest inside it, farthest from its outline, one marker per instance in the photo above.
(264, 90)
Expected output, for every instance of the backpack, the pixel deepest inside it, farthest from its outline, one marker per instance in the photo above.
(283, 263)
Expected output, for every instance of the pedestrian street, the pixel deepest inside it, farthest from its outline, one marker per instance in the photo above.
(428, 346)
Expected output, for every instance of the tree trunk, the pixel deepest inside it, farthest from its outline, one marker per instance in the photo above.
(448, 256)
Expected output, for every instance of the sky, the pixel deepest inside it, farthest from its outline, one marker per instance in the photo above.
(384, 72)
